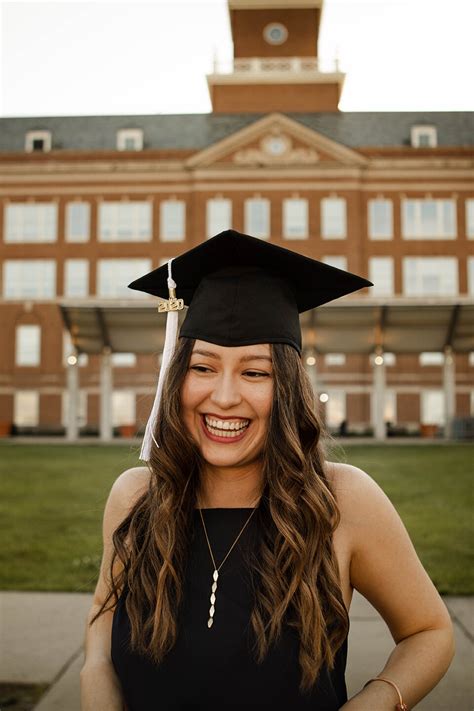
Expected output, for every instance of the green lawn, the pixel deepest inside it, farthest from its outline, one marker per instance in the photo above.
(52, 499)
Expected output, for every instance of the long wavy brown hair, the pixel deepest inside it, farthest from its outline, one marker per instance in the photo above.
(295, 571)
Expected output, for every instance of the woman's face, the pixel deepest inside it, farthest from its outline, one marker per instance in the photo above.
(226, 400)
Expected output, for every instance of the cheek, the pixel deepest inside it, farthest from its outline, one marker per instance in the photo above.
(262, 403)
(192, 395)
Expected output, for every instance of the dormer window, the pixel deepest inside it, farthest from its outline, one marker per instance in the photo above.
(38, 141)
(130, 139)
(424, 137)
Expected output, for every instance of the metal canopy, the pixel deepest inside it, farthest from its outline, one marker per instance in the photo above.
(348, 325)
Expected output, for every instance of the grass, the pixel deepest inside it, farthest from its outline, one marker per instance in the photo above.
(52, 499)
(21, 697)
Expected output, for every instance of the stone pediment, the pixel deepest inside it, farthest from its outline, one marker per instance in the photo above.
(275, 140)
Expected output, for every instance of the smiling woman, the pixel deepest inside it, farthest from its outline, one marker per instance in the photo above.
(229, 562)
(226, 400)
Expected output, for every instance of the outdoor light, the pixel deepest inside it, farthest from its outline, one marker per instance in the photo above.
(72, 360)
(310, 360)
(378, 360)
(324, 397)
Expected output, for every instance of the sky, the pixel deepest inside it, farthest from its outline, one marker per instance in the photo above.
(68, 58)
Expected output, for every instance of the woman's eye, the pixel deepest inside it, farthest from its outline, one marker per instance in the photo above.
(254, 373)
(199, 368)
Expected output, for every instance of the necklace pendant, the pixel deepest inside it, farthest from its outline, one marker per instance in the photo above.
(212, 599)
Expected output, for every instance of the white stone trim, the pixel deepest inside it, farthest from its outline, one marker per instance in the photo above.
(418, 131)
(136, 134)
(42, 135)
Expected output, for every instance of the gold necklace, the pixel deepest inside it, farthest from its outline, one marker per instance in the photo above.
(215, 574)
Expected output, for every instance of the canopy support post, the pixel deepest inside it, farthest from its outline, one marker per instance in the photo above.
(106, 430)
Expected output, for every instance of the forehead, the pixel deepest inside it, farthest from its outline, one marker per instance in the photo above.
(258, 350)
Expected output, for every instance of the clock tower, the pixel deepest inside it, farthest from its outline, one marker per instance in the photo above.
(275, 65)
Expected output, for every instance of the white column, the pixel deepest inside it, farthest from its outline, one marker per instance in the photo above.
(378, 397)
(72, 382)
(106, 431)
(449, 384)
(310, 365)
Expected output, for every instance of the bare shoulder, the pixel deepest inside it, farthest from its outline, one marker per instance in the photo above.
(127, 489)
(135, 479)
(361, 501)
(351, 485)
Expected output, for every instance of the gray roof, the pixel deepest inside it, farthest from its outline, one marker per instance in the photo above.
(196, 131)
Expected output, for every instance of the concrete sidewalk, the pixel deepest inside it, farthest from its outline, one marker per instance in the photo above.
(42, 636)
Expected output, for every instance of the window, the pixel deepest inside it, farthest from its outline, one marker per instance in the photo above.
(336, 261)
(114, 275)
(428, 219)
(432, 407)
(380, 219)
(431, 358)
(335, 359)
(26, 408)
(124, 360)
(335, 408)
(381, 274)
(81, 408)
(470, 218)
(430, 276)
(333, 218)
(295, 218)
(130, 139)
(78, 221)
(423, 136)
(470, 275)
(123, 408)
(29, 279)
(257, 217)
(219, 216)
(172, 220)
(125, 222)
(38, 141)
(28, 345)
(471, 359)
(76, 278)
(164, 260)
(31, 222)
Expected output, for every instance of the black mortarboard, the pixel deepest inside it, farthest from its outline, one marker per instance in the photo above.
(240, 291)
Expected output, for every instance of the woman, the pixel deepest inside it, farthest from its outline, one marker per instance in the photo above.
(229, 563)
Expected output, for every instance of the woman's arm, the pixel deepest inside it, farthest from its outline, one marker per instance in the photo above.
(100, 687)
(386, 570)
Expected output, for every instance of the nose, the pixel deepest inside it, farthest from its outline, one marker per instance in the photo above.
(226, 392)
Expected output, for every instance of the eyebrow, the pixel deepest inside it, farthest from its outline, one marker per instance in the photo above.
(244, 359)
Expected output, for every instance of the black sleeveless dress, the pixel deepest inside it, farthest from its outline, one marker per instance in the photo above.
(213, 668)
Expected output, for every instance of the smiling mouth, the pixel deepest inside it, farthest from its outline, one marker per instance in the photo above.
(227, 429)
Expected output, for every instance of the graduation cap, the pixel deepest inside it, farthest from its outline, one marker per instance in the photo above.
(240, 291)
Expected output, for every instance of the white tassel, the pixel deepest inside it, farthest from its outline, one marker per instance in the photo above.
(171, 335)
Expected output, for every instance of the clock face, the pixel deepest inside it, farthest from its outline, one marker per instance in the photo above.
(275, 33)
(276, 146)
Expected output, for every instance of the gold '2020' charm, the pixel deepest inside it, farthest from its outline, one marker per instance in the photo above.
(170, 305)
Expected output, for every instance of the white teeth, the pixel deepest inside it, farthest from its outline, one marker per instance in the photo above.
(226, 428)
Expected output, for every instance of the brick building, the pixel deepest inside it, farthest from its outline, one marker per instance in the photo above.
(89, 203)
